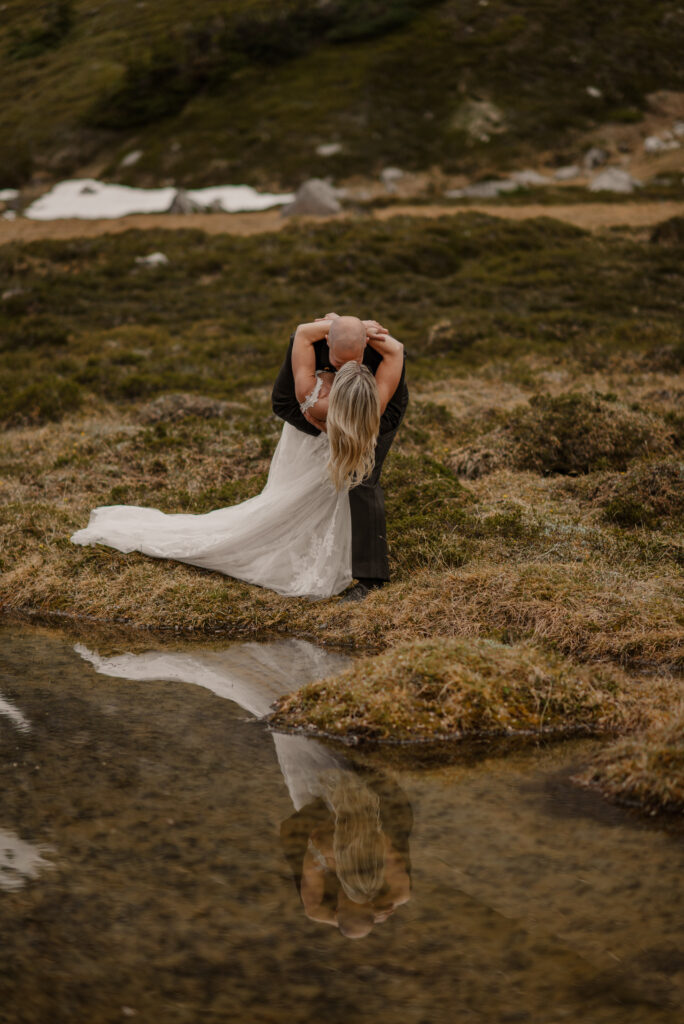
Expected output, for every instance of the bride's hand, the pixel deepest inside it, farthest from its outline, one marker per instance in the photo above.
(374, 330)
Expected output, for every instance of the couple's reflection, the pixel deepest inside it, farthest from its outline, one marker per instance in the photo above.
(347, 843)
(348, 847)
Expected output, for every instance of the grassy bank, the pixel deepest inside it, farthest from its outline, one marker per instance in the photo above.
(534, 491)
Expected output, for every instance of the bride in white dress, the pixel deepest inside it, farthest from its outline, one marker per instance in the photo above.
(294, 537)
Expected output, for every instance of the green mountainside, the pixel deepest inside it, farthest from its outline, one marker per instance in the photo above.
(246, 90)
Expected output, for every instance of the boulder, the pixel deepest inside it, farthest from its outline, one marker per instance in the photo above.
(315, 198)
(131, 158)
(594, 157)
(479, 119)
(660, 144)
(529, 177)
(327, 149)
(182, 203)
(568, 172)
(489, 189)
(614, 179)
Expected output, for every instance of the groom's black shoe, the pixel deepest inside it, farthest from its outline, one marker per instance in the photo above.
(362, 589)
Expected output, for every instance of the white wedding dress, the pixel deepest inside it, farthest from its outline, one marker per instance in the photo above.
(294, 537)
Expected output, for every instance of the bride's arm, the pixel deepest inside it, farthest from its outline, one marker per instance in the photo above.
(388, 373)
(304, 358)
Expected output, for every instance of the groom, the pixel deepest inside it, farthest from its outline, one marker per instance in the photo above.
(347, 341)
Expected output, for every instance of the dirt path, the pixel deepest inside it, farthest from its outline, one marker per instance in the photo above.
(590, 216)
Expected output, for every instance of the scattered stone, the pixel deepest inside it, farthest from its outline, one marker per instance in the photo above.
(479, 119)
(594, 157)
(183, 406)
(131, 158)
(529, 177)
(660, 144)
(215, 206)
(154, 259)
(568, 172)
(390, 175)
(678, 129)
(595, 93)
(7, 195)
(87, 190)
(614, 179)
(315, 198)
(329, 149)
(483, 189)
(9, 215)
(182, 203)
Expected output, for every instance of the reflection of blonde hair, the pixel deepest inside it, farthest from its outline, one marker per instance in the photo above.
(353, 424)
(358, 842)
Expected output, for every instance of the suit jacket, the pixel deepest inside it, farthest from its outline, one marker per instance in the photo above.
(284, 399)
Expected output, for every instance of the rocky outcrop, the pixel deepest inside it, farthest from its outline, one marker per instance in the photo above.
(614, 179)
(315, 198)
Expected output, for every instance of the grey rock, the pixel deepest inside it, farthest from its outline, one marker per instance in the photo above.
(153, 259)
(568, 172)
(483, 189)
(594, 157)
(529, 177)
(182, 203)
(614, 179)
(479, 119)
(315, 198)
(327, 149)
(131, 158)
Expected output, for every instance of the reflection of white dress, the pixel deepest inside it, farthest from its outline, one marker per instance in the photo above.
(294, 537)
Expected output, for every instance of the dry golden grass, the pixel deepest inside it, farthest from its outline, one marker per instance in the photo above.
(439, 689)
(647, 770)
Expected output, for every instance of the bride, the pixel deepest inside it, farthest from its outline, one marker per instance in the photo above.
(294, 537)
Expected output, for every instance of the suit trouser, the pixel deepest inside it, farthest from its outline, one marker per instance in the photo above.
(369, 531)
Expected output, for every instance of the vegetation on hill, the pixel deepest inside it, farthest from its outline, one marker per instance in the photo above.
(247, 90)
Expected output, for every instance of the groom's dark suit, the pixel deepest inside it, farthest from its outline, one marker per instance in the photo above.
(366, 501)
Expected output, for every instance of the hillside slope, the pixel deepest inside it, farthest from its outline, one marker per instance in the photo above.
(247, 90)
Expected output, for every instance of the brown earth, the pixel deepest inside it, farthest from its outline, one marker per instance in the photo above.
(589, 216)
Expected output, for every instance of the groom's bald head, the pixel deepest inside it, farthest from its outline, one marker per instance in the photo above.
(346, 341)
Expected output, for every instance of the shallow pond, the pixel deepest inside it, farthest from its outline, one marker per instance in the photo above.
(164, 857)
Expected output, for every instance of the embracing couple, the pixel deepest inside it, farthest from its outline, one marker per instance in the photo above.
(319, 522)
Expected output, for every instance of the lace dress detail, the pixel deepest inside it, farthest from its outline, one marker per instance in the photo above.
(312, 397)
(294, 537)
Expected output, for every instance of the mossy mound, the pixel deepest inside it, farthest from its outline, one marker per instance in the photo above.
(432, 689)
(646, 495)
(646, 770)
(571, 434)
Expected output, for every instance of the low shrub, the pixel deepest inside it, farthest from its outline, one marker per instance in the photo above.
(570, 434)
(46, 399)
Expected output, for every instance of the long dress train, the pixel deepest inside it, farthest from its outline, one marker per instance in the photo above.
(294, 537)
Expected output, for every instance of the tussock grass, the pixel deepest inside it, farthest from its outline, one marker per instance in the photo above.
(432, 689)
(172, 372)
(569, 434)
(647, 770)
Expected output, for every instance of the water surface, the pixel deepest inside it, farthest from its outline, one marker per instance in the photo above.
(164, 857)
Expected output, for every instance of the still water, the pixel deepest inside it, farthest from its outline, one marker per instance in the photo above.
(165, 858)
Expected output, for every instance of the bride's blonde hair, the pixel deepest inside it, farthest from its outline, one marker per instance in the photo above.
(353, 424)
(358, 840)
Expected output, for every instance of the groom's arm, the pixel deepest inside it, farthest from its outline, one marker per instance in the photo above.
(284, 399)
